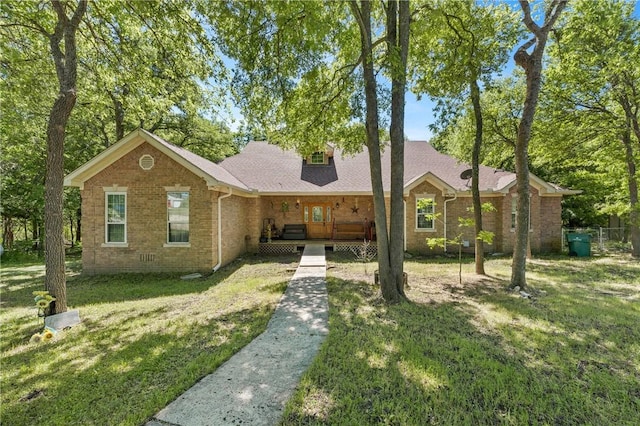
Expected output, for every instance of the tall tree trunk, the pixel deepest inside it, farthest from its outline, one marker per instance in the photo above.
(398, 18)
(71, 230)
(634, 212)
(634, 207)
(79, 225)
(534, 80)
(7, 232)
(64, 37)
(475, 178)
(42, 237)
(362, 14)
(118, 112)
(55, 281)
(532, 65)
(34, 229)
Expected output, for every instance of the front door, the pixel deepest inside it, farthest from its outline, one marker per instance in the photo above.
(317, 217)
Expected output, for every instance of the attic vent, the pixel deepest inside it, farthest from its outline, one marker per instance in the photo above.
(146, 162)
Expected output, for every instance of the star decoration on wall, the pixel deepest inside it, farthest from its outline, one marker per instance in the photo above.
(354, 210)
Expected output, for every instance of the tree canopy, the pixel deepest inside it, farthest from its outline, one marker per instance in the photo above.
(462, 50)
(140, 64)
(594, 101)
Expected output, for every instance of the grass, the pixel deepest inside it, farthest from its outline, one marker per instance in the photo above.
(477, 353)
(456, 354)
(143, 340)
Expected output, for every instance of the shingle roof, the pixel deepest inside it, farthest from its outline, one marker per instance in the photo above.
(420, 157)
(209, 167)
(269, 169)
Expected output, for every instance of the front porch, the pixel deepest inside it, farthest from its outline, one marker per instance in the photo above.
(296, 246)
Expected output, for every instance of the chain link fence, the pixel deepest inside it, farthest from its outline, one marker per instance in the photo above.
(602, 239)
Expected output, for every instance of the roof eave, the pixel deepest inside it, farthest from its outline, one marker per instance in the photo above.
(430, 177)
(78, 177)
(224, 187)
(316, 193)
(562, 192)
(98, 163)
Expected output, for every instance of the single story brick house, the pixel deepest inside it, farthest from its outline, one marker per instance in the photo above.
(148, 205)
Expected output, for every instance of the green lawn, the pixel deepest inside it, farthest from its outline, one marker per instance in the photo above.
(477, 354)
(457, 354)
(143, 340)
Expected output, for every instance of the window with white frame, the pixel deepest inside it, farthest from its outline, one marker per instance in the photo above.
(514, 213)
(116, 217)
(177, 217)
(425, 211)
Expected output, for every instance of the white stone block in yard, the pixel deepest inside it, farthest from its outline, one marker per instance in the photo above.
(63, 320)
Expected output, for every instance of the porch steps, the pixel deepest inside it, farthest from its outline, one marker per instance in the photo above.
(313, 256)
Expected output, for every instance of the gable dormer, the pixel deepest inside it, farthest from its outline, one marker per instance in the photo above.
(320, 157)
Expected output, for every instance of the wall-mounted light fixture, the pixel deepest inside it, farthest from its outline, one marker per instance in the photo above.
(298, 203)
(337, 206)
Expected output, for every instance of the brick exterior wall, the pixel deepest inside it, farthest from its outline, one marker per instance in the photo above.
(237, 213)
(147, 218)
(546, 222)
(242, 218)
(416, 238)
(551, 218)
(458, 208)
(253, 226)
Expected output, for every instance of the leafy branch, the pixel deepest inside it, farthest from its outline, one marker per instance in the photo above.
(484, 236)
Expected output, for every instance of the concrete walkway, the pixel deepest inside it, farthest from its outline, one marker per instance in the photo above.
(253, 386)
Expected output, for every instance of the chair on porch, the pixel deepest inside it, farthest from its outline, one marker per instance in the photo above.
(296, 231)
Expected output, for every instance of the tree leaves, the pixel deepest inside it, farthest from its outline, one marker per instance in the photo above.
(152, 64)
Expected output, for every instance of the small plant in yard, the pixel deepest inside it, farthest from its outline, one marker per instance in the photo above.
(47, 335)
(42, 300)
(364, 253)
(484, 236)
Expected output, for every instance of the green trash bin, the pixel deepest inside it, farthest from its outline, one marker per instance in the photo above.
(579, 244)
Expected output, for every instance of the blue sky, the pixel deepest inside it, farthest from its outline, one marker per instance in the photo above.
(418, 117)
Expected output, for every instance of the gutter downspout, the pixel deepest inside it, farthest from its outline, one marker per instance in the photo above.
(445, 219)
(215, 268)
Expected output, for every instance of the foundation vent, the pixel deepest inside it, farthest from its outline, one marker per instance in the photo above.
(147, 257)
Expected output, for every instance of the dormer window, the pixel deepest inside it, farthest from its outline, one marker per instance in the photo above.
(317, 158)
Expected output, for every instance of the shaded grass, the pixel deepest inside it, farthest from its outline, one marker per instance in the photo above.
(477, 353)
(470, 354)
(144, 339)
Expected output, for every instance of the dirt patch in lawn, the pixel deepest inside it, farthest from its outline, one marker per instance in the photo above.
(441, 286)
